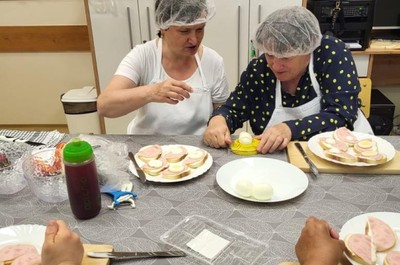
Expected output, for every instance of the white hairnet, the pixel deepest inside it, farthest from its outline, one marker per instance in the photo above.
(183, 12)
(288, 32)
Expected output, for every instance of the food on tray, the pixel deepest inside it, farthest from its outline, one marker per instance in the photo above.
(244, 187)
(175, 171)
(196, 158)
(53, 165)
(383, 236)
(262, 191)
(372, 157)
(365, 145)
(175, 154)
(149, 152)
(4, 161)
(345, 135)
(328, 143)
(392, 258)
(360, 248)
(19, 254)
(337, 154)
(155, 166)
(245, 144)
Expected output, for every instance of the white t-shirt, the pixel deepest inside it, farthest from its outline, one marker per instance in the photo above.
(141, 65)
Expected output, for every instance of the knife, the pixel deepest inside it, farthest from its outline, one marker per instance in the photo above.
(135, 254)
(142, 175)
(314, 169)
(6, 138)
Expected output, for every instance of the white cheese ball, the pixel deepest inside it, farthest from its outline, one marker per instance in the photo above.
(244, 187)
(262, 191)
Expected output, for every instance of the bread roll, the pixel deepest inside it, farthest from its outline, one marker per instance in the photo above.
(360, 249)
(382, 234)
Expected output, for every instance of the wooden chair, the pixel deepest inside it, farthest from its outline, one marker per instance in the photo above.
(365, 95)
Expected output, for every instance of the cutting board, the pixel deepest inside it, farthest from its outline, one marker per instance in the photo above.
(324, 166)
(92, 261)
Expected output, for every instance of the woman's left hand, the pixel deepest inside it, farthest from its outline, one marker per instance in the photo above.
(274, 138)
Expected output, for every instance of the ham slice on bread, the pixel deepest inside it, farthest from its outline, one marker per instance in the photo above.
(328, 143)
(175, 154)
(155, 166)
(345, 135)
(149, 152)
(337, 154)
(360, 249)
(196, 158)
(12, 252)
(392, 258)
(175, 171)
(365, 145)
(372, 157)
(382, 235)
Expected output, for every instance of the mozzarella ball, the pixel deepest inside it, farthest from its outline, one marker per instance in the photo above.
(244, 187)
(262, 191)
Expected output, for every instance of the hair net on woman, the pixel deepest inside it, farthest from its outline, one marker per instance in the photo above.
(288, 32)
(183, 12)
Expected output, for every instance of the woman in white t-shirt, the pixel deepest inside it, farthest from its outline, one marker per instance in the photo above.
(173, 81)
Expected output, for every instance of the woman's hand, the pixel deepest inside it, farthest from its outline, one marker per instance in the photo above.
(61, 246)
(170, 91)
(274, 138)
(319, 244)
(217, 134)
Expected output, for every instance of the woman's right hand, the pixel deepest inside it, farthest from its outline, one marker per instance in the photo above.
(170, 91)
(217, 134)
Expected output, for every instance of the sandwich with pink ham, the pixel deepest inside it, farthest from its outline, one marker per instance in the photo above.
(327, 143)
(359, 248)
(345, 135)
(383, 236)
(155, 166)
(339, 155)
(149, 152)
(176, 153)
(195, 158)
(176, 171)
(392, 258)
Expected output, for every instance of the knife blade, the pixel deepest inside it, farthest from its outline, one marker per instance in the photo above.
(141, 174)
(313, 167)
(135, 254)
(6, 138)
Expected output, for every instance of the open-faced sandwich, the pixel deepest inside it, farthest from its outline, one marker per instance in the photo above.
(339, 155)
(345, 135)
(176, 153)
(196, 158)
(360, 249)
(149, 152)
(328, 143)
(155, 166)
(392, 258)
(19, 254)
(175, 171)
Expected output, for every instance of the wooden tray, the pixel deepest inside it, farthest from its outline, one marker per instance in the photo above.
(93, 261)
(294, 156)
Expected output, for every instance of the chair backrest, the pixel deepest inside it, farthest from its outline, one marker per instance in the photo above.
(365, 95)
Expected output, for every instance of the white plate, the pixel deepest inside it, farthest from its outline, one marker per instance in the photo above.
(357, 225)
(193, 172)
(383, 147)
(286, 180)
(23, 234)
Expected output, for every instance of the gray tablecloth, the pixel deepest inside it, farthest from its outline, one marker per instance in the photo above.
(334, 197)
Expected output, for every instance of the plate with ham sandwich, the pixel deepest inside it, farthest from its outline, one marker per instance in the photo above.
(345, 147)
(372, 238)
(172, 163)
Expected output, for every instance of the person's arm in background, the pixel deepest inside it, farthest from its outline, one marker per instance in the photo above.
(61, 246)
(319, 244)
(337, 76)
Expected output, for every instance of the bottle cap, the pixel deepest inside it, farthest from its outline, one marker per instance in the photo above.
(77, 151)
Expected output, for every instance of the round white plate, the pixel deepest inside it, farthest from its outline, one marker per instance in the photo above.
(23, 234)
(286, 180)
(193, 172)
(383, 147)
(357, 225)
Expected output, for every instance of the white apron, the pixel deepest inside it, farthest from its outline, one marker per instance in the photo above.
(312, 107)
(189, 116)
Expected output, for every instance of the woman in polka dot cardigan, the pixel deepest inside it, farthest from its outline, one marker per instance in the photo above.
(303, 84)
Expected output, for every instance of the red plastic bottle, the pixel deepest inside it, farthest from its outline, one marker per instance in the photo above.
(81, 176)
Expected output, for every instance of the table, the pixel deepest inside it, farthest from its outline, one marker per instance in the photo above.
(334, 197)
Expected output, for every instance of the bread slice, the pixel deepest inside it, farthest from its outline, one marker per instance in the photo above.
(372, 157)
(175, 171)
(336, 154)
(359, 248)
(196, 158)
(365, 145)
(392, 258)
(149, 152)
(327, 143)
(155, 166)
(175, 154)
(345, 135)
(382, 235)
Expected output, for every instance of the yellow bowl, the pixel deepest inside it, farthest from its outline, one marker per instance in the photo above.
(245, 149)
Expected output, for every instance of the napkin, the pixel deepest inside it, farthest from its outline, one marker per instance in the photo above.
(48, 138)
